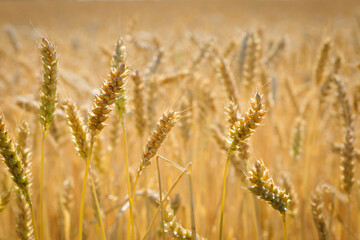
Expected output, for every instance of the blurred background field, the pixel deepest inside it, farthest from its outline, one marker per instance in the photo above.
(84, 34)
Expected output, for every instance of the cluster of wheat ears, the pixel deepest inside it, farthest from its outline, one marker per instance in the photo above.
(216, 166)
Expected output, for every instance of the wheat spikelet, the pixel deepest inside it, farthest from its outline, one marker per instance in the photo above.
(242, 57)
(119, 55)
(263, 187)
(348, 153)
(140, 119)
(114, 130)
(185, 122)
(251, 60)
(232, 113)
(118, 58)
(78, 128)
(4, 200)
(67, 197)
(98, 156)
(154, 64)
(325, 89)
(317, 212)
(224, 74)
(175, 203)
(48, 89)
(158, 135)
(297, 139)
(247, 123)
(323, 57)
(13, 161)
(337, 65)
(238, 161)
(24, 228)
(219, 138)
(206, 100)
(66, 205)
(289, 188)
(173, 227)
(151, 98)
(107, 96)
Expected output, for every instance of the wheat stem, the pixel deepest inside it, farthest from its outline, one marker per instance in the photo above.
(128, 181)
(42, 187)
(84, 188)
(165, 197)
(349, 217)
(223, 194)
(161, 198)
(284, 224)
(97, 206)
(33, 220)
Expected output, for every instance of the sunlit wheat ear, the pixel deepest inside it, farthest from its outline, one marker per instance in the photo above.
(118, 58)
(13, 161)
(323, 57)
(105, 98)
(157, 137)
(173, 227)
(317, 208)
(49, 85)
(247, 124)
(78, 128)
(232, 113)
(119, 55)
(263, 186)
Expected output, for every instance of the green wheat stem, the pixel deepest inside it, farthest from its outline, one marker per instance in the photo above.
(42, 186)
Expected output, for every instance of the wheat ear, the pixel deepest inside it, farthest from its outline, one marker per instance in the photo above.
(15, 167)
(317, 212)
(239, 133)
(323, 57)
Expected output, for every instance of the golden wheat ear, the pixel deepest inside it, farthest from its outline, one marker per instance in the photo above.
(263, 186)
(247, 124)
(157, 137)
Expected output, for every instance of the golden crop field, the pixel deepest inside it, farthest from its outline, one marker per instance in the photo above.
(180, 120)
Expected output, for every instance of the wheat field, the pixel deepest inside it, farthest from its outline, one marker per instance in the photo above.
(179, 120)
